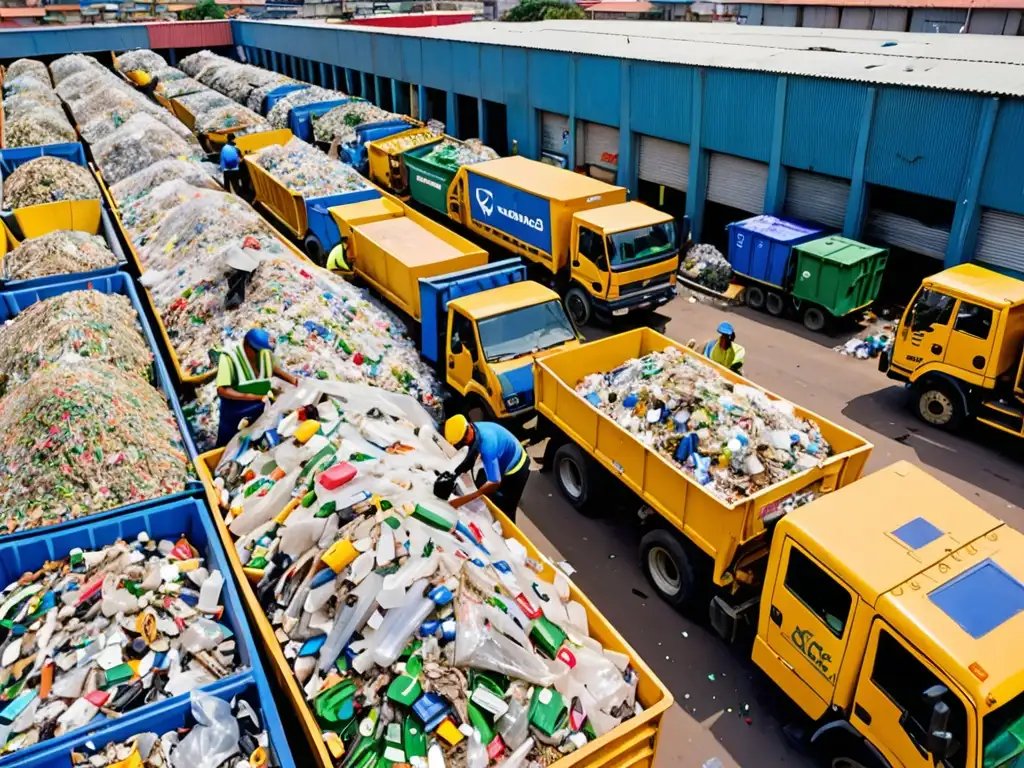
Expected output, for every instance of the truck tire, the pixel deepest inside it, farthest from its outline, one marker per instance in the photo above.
(939, 404)
(315, 250)
(477, 409)
(754, 297)
(577, 304)
(815, 319)
(668, 567)
(775, 303)
(841, 749)
(576, 477)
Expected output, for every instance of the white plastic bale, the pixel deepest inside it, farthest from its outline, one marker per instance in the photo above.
(278, 115)
(145, 181)
(143, 59)
(71, 64)
(141, 141)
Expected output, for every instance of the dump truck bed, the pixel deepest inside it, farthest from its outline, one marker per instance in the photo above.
(718, 527)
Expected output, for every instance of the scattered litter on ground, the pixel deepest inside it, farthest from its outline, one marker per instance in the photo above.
(876, 333)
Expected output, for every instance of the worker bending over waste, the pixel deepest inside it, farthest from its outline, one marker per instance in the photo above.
(506, 465)
(243, 382)
(146, 82)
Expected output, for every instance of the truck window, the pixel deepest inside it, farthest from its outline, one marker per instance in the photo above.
(931, 308)
(973, 320)
(525, 330)
(903, 678)
(590, 246)
(813, 586)
(462, 331)
(646, 244)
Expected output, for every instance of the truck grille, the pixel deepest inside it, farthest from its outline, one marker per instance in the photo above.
(645, 285)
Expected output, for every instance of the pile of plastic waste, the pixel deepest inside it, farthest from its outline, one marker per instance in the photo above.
(223, 733)
(27, 83)
(22, 104)
(419, 633)
(341, 122)
(704, 264)
(235, 80)
(32, 112)
(194, 63)
(173, 89)
(453, 154)
(167, 74)
(78, 439)
(72, 64)
(69, 327)
(43, 126)
(231, 118)
(307, 171)
(278, 114)
(400, 143)
(26, 67)
(118, 628)
(61, 252)
(143, 58)
(877, 333)
(47, 180)
(257, 97)
(733, 439)
(152, 176)
(140, 142)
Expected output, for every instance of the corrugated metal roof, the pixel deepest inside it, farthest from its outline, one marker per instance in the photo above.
(628, 6)
(988, 64)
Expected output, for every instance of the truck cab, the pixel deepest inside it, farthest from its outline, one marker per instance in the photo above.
(958, 347)
(892, 614)
(623, 257)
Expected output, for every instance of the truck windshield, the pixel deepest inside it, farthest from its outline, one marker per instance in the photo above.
(525, 330)
(1003, 733)
(635, 246)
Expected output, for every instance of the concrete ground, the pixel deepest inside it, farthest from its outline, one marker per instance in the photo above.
(724, 706)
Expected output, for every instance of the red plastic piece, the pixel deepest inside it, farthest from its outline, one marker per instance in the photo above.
(97, 698)
(337, 476)
(527, 607)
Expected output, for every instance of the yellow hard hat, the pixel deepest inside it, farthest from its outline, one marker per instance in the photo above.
(455, 429)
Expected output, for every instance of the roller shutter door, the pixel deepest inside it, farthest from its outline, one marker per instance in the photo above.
(737, 182)
(554, 131)
(817, 198)
(600, 145)
(907, 233)
(1000, 238)
(664, 162)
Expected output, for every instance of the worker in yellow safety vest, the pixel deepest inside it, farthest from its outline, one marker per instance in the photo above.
(146, 82)
(243, 382)
(724, 350)
(336, 259)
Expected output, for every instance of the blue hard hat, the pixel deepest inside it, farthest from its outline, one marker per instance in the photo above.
(726, 328)
(257, 338)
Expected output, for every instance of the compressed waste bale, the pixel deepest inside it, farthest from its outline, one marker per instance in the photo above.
(194, 63)
(149, 178)
(28, 67)
(61, 252)
(278, 115)
(453, 154)
(47, 180)
(140, 142)
(43, 126)
(103, 95)
(742, 440)
(257, 95)
(172, 89)
(341, 122)
(705, 264)
(78, 439)
(90, 81)
(23, 104)
(105, 123)
(445, 621)
(27, 83)
(167, 73)
(118, 627)
(231, 118)
(66, 66)
(203, 101)
(142, 58)
(307, 171)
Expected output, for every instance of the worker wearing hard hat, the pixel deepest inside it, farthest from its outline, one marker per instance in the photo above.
(506, 465)
(146, 82)
(243, 382)
(724, 350)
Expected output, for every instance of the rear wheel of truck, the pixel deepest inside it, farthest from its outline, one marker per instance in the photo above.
(939, 404)
(754, 297)
(577, 304)
(315, 250)
(815, 319)
(775, 304)
(577, 479)
(668, 567)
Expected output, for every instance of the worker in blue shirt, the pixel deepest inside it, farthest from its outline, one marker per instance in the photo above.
(231, 164)
(506, 465)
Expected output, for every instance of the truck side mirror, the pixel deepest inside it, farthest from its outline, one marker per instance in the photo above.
(602, 262)
(457, 346)
(938, 741)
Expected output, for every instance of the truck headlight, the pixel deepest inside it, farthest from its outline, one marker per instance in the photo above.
(512, 401)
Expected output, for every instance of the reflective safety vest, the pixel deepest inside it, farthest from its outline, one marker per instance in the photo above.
(336, 259)
(242, 371)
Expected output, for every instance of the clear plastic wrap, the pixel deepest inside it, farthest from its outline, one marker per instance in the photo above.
(28, 66)
(342, 121)
(307, 171)
(182, 86)
(27, 83)
(105, 124)
(48, 179)
(44, 126)
(149, 178)
(71, 64)
(257, 95)
(21, 104)
(60, 252)
(278, 115)
(194, 63)
(141, 141)
(231, 118)
(203, 101)
(213, 739)
(142, 58)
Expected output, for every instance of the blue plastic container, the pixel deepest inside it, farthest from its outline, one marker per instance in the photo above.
(10, 159)
(322, 224)
(109, 233)
(167, 716)
(760, 247)
(279, 93)
(168, 520)
(300, 119)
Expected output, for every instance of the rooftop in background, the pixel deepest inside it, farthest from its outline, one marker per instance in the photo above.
(977, 63)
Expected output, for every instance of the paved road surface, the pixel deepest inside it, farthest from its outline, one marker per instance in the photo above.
(706, 677)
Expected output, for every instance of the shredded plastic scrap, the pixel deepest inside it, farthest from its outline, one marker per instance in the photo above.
(22, 104)
(278, 115)
(61, 252)
(731, 438)
(45, 125)
(111, 629)
(416, 630)
(307, 171)
(79, 439)
(48, 179)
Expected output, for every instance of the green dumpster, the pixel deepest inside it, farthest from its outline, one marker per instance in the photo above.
(428, 179)
(835, 276)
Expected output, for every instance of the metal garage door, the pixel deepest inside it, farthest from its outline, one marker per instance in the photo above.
(737, 182)
(600, 145)
(554, 132)
(999, 240)
(664, 162)
(907, 233)
(814, 197)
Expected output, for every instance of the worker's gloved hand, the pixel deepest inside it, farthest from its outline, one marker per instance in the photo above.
(444, 485)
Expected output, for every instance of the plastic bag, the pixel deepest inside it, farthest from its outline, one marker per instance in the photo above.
(213, 739)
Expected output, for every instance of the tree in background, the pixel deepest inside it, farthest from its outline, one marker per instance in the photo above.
(204, 9)
(544, 10)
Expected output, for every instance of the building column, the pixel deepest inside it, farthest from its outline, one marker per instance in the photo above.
(349, 81)
(334, 77)
(775, 190)
(323, 74)
(963, 237)
(172, 57)
(395, 96)
(697, 186)
(626, 175)
(481, 125)
(572, 116)
(421, 98)
(856, 206)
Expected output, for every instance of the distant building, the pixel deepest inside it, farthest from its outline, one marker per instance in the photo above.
(985, 17)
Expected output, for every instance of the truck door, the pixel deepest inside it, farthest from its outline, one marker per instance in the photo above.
(970, 342)
(924, 332)
(590, 262)
(801, 646)
(463, 351)
(891, 708)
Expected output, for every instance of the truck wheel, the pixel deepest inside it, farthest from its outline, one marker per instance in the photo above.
(815, 319)
(754, 297)
(577, 304)
(668, 567)
(940, 405)
(775, 304)
(576, 479)
(315, 250)
(478, 410)
(843, 750)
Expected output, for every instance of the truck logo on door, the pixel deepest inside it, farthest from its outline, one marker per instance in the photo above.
(485, 199)
(803, 640)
